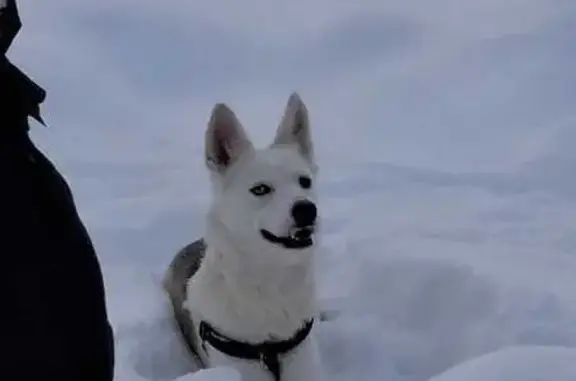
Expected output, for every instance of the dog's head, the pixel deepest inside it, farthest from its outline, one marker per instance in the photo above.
(264, 199)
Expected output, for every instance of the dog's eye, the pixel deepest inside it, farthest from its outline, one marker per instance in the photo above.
(305, 182)
(260, 189)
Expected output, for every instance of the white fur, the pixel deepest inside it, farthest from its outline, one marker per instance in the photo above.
(248, 288)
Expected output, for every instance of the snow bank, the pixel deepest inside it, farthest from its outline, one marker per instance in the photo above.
(531, 363)
(214, 374)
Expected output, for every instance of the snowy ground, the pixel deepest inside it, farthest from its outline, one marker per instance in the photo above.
(445, 134)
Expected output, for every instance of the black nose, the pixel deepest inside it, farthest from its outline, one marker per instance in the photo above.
(304, 213)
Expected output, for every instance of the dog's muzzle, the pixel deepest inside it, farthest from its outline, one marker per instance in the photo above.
(299, 237)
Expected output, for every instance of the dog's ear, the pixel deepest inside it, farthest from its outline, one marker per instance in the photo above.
(295, 127)
(225, 139)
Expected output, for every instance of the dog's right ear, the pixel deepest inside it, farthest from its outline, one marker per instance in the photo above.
(225, 139)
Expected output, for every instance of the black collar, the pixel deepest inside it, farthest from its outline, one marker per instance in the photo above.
(267, 352)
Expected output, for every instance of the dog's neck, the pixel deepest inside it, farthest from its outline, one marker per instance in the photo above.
(247, 303)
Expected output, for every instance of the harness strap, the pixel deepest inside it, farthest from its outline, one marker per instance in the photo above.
(267, 352)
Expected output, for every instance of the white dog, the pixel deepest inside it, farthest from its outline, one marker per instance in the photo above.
(244, 296)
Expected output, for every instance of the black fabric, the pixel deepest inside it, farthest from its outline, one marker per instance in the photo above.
(54, 322)
(267, 352)
(10, 25)
(53, 317)
(19, 95)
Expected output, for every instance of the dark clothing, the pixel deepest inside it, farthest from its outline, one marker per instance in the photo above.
(53, 317)
(53, 323)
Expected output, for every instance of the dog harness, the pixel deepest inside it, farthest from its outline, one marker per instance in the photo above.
(267, 352)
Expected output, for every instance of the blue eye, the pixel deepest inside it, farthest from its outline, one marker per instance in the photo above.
(261, 190)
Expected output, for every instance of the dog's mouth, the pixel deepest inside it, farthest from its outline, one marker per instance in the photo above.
(299, 238)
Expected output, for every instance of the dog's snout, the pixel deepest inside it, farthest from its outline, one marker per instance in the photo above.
(304, 213)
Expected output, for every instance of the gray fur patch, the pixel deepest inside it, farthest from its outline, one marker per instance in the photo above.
(184, 265)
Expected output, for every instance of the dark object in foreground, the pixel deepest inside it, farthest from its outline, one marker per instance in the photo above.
(19, 95)
(53, 324)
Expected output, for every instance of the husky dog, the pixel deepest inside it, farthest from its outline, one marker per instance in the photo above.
(244, 296)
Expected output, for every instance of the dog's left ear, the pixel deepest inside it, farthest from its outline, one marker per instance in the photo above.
(294, 128)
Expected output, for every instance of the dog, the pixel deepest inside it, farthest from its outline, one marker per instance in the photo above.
(244, 296)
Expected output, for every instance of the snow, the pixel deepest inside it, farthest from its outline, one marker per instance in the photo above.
(214, 374)
(447, 176)
(530, 363)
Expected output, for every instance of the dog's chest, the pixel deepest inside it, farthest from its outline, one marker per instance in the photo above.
(252, 314)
